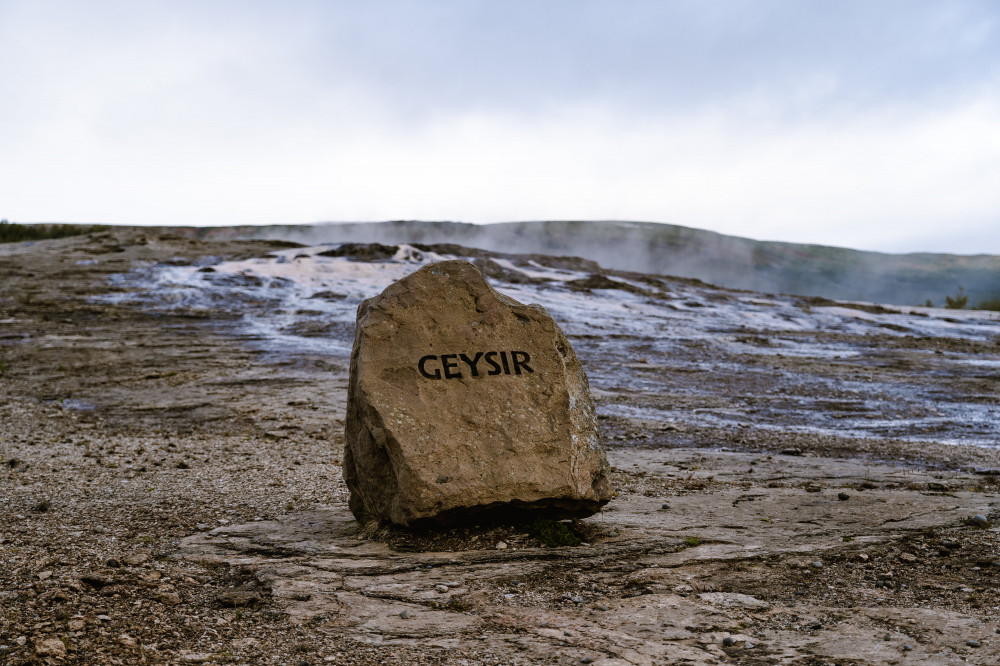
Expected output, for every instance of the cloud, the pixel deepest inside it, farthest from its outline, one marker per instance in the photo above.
(854, 123)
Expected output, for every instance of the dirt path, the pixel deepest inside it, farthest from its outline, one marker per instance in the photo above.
(171, 494)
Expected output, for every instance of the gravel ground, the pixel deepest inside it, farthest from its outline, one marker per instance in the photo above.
(169, 493)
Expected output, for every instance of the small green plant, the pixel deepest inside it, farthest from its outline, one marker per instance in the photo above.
(3, 366)
(958, 301)
(692, 541)
(554, 533)
(989, 304)
(459, 605)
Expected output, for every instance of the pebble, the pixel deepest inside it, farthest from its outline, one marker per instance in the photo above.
(979, 520)
(587, 660)
(664, 506)
(543, 624)
(907, 647)
(887, 637)
(843, 496)
(816, 565)
(973, 643)
(169, 598)
(577, 600)
(603, 608)
(136, 560)
(405, 615)
(441, 588)
(729, 641)
(501, 545)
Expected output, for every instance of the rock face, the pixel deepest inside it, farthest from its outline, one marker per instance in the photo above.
(462, 402)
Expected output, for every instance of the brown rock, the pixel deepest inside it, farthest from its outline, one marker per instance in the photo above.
(464, 401)
(50, 647)
(168, 598)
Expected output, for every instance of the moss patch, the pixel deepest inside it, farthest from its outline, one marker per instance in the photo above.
(554, 533)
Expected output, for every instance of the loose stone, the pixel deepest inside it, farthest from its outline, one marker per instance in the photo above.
(405, 615)
(979, 520)
(843, 496)
(816, 565)
(973, 643)
(441, 588)
(50, 647)
(729, 641)
(501, 545)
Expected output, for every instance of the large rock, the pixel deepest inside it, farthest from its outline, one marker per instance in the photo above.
(463, 401)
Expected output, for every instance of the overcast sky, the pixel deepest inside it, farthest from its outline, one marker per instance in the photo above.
(869, 124)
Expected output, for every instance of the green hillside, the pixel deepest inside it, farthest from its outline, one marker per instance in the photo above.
(730, 261)
(666, 249)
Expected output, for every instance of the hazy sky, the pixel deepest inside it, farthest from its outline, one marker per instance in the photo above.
(869, 124)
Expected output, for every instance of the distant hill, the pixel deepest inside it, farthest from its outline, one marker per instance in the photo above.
(729, 261)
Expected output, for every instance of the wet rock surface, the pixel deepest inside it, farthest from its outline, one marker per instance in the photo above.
(155, 430)
(464, 402)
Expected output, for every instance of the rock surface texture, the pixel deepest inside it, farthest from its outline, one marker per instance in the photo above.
(463, 401)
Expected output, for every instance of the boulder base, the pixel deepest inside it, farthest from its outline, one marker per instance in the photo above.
(462, 402)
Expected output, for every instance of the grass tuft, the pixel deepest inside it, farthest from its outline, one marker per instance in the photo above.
(12, 232)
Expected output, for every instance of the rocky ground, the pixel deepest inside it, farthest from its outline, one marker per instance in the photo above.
(170, 492)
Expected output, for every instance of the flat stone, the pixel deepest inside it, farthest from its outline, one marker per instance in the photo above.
(136, 559)
(733, 599)
(463, 401)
